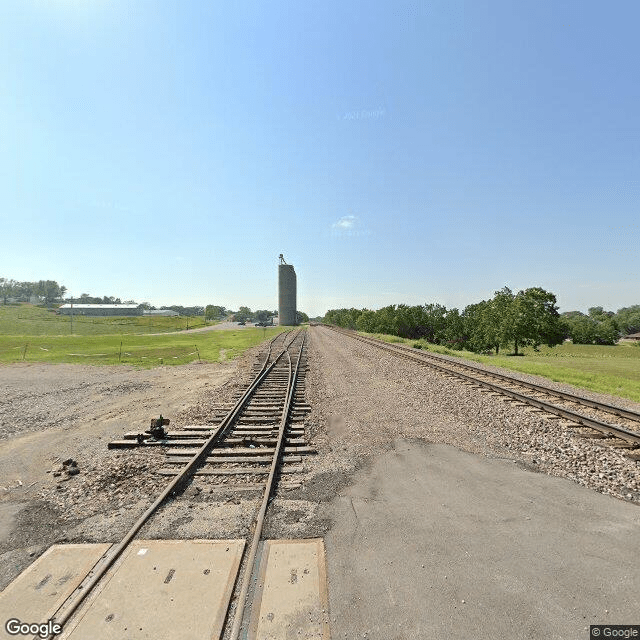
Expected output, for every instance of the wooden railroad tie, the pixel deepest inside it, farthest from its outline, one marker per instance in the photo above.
(232, 472)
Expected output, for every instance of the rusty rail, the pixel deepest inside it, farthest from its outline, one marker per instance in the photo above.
(631, 437)
(111, 556)
(251, 556)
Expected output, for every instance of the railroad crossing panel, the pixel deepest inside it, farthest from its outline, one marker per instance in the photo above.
(291, 594)
(38, 592)
(162, 589)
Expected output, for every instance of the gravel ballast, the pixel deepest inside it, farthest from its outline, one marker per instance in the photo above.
(369, 398)
(363, 401)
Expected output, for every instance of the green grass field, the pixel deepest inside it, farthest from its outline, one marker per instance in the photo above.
(607, 369)
(19, 340)
(31, 320)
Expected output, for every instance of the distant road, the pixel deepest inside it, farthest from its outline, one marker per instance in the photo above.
(222, 326)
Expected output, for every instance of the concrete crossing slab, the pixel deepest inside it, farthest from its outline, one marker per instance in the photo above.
(37, 593)
(291, 594)
(162, 589)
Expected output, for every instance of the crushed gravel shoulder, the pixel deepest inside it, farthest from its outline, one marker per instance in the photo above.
(50, 414)
(363, 403)
(616, 401)
(368, 398)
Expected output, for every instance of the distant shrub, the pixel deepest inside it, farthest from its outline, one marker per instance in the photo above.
(417, 345)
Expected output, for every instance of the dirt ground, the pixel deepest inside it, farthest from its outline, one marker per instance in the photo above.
(50, 413)
(430, 527)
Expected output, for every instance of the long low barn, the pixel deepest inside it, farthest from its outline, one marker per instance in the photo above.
(101, 309)
(161, 312)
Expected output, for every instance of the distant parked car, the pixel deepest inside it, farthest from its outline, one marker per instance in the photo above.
(259, 324)
(242, 323)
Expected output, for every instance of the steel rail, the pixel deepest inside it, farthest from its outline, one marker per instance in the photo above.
(604, 427)
(594, 404)
(251, 556)
(184, 474)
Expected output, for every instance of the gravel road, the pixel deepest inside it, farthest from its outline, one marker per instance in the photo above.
(221, 326)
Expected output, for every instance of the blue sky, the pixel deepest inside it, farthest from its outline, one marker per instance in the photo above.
(395, 152)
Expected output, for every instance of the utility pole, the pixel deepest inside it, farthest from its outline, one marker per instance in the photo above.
(71, 316)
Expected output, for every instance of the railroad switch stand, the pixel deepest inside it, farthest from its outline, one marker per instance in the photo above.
(157, 430)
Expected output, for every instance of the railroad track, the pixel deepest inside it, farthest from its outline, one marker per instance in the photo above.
(244, 450)
(598, 423)
(259, 438)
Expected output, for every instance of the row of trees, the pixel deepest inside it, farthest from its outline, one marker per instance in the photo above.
(527, 318)
(85, 298)
(244, 314)
(47, 290)
(185, 311)
(602, 327)
(214, 312)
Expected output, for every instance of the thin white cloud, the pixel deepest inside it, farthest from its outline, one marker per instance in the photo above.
(346, 222)
(348, 226)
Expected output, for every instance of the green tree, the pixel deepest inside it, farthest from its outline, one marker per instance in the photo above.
(214, 312)
(50, 290)
(598, 313)
(597, 328)
(498, 320)
(474, 320)
(485, 323)
(582, 329)
(366, 321)
(263, 315)
(402, 321)
(454, 329)
(532, 319)
(607, 332)
(385, 319)
(7, 288)
(628, 319)
(243, 314)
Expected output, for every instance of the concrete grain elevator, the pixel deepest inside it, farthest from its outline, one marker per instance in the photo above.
(287, 312)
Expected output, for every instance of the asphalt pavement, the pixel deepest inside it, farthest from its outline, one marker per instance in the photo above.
(432, 542)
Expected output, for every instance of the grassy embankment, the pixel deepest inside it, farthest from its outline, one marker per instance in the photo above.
(606, 369)
(31, 320)
(33, 334)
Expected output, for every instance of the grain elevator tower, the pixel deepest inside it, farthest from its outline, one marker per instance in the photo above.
(287, 311)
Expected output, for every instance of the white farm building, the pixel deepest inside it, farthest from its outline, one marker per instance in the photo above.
(161, 312)
(100, 309)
